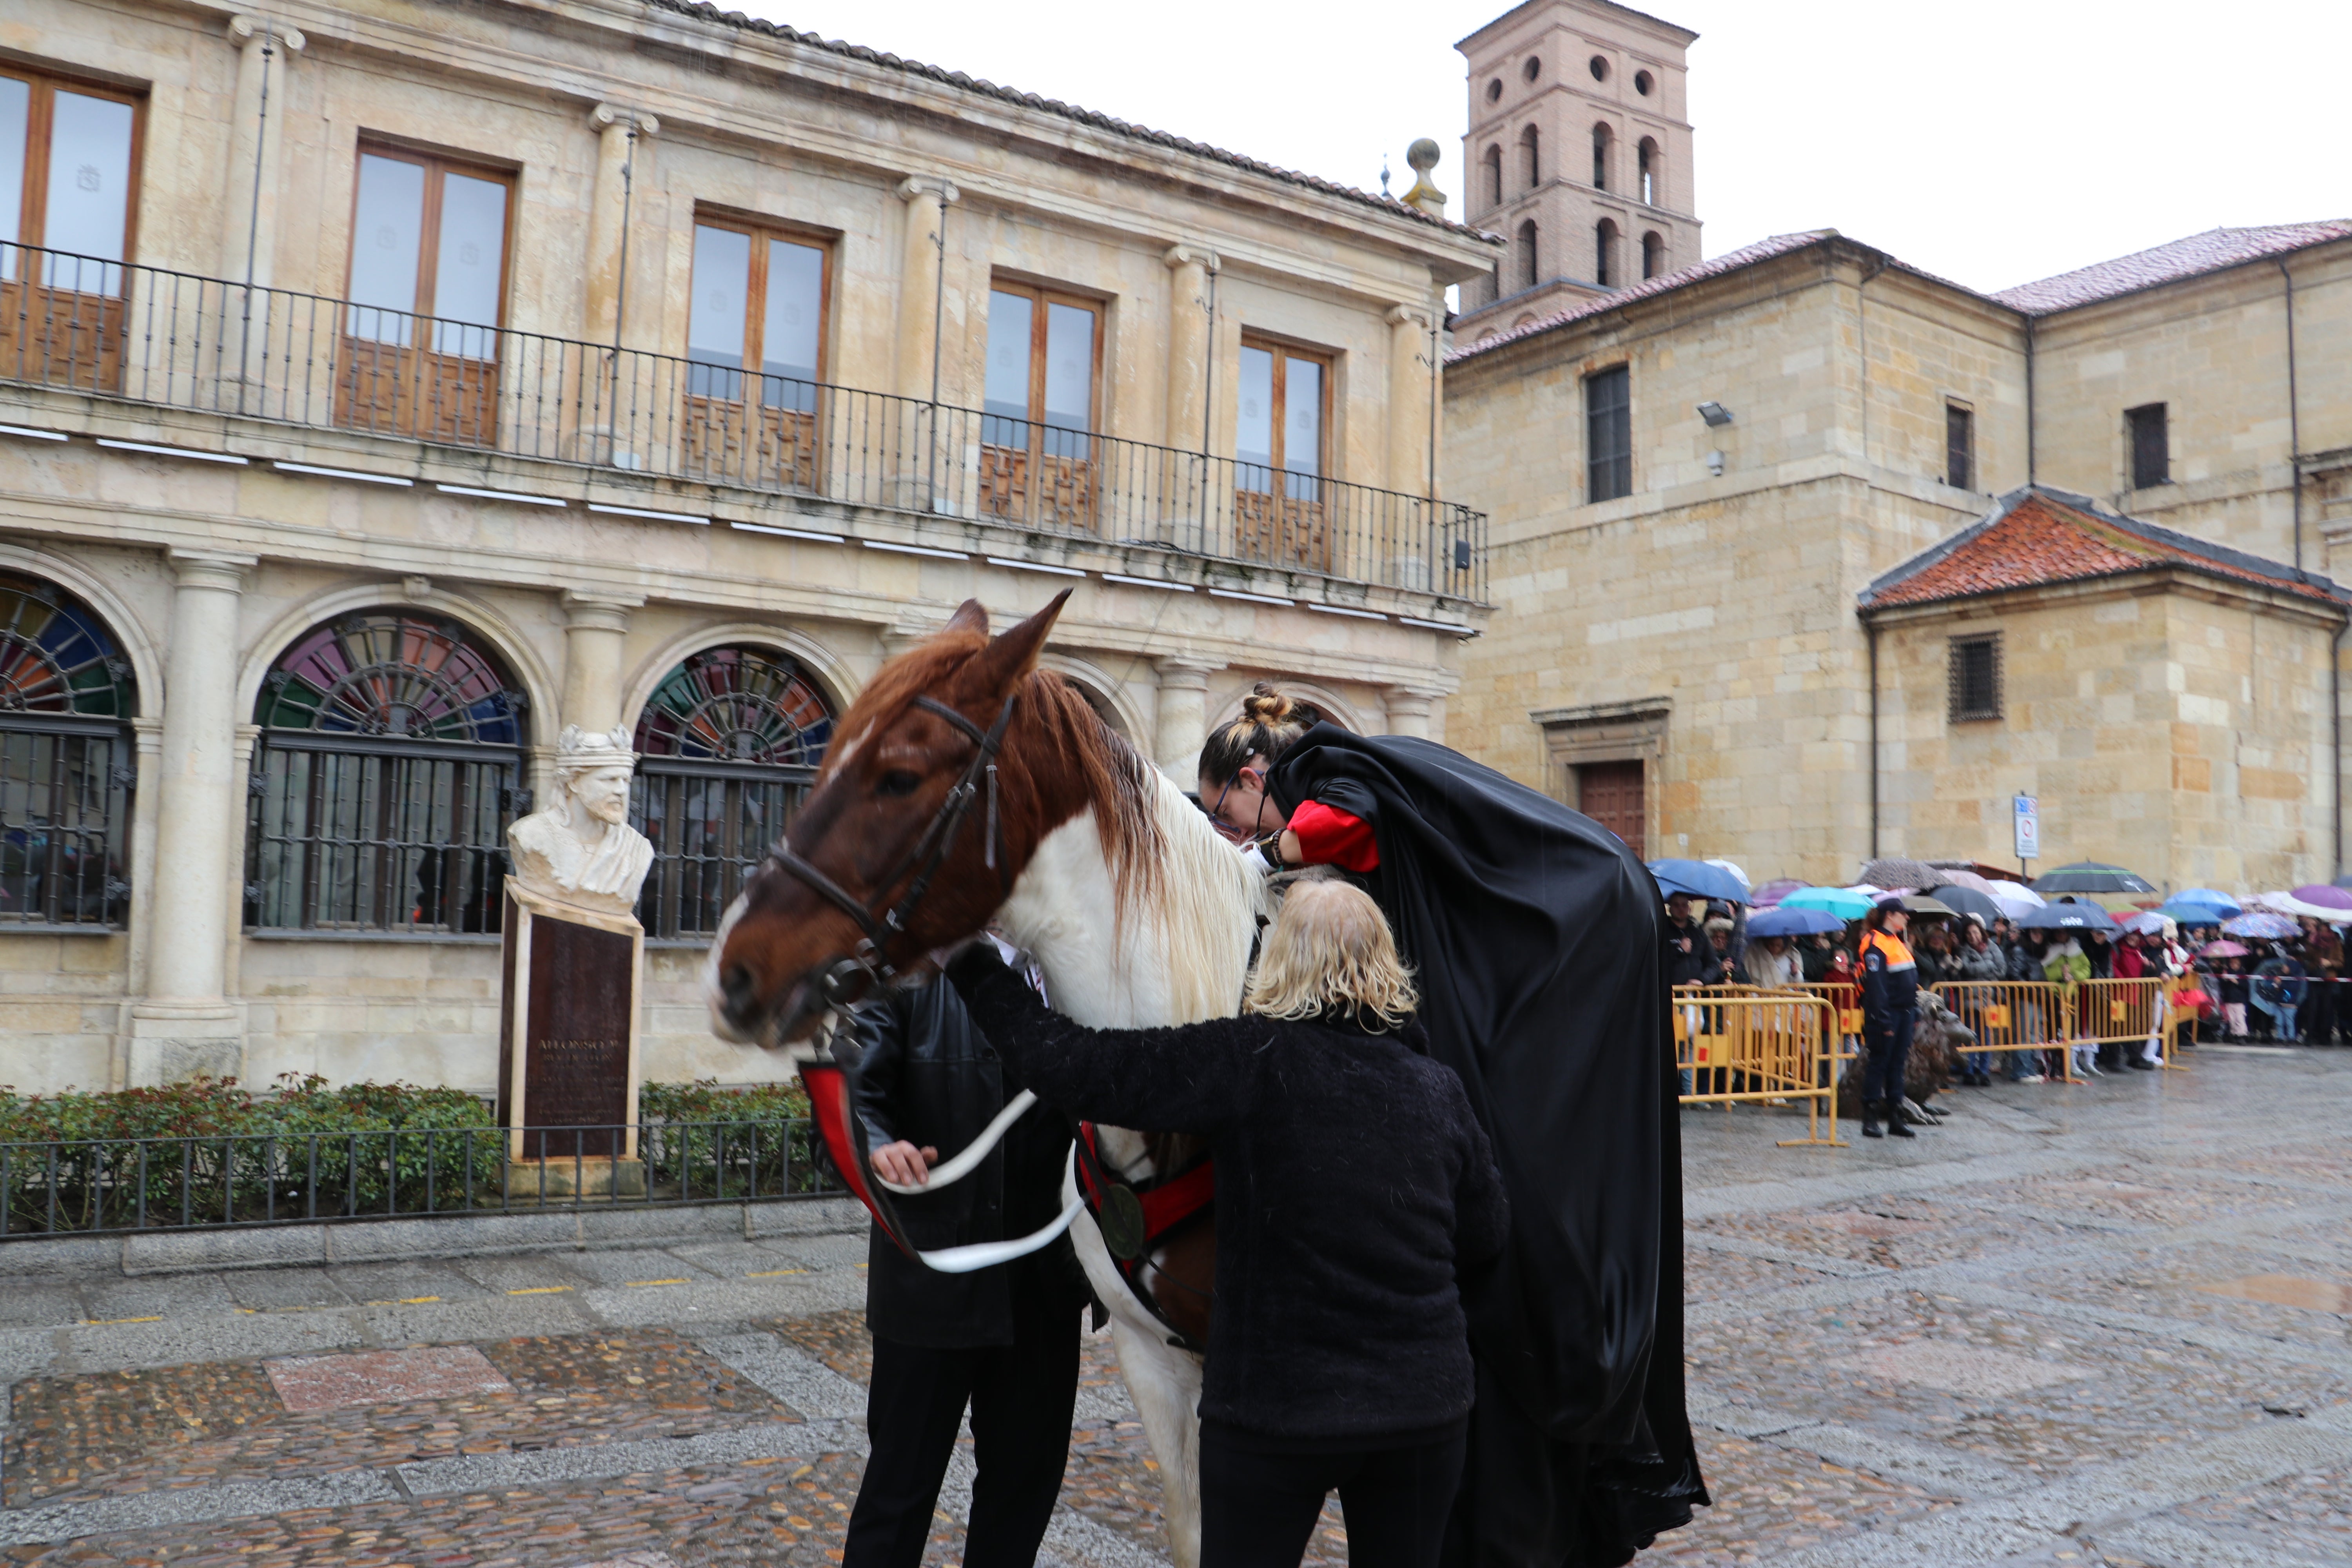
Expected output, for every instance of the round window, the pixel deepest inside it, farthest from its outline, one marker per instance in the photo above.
(1494, 90)
(1642, 83)
(1599, 68)
(1532, 70)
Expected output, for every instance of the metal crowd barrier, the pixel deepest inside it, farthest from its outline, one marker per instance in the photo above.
(1739, 1045)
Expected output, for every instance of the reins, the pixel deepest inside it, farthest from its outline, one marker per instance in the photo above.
(879, 922)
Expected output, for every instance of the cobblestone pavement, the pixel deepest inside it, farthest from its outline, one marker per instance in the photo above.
(2104, 1325)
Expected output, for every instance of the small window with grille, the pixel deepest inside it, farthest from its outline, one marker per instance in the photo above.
(1976, 679)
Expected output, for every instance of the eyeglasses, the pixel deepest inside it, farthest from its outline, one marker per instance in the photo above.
(1226, 830)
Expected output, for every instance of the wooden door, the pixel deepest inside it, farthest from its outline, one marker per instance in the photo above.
(1611, 793)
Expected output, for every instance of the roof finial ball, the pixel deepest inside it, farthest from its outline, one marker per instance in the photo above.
(1422, 157)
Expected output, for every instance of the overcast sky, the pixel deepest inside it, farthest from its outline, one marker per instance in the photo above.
(1993, 141)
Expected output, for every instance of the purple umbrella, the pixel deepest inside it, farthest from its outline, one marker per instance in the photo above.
(2324, 896)
(1772, 892)
(2261, 925)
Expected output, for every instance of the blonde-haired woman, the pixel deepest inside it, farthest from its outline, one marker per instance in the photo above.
(1355, 1192)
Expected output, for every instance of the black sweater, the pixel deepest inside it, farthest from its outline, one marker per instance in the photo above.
(1354, 1190)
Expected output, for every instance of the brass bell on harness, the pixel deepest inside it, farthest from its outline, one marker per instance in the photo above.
(1120, 1220)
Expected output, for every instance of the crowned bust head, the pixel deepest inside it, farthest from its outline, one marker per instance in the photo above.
(593, 767)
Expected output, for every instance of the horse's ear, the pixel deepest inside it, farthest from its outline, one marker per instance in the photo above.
(1014, 654)
(969, 617)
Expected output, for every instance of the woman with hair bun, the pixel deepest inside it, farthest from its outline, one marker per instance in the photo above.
(1538, 939)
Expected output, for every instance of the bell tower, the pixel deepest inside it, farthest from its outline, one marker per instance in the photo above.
(1578, 155)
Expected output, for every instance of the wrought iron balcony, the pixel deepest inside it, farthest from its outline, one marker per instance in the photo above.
(179, 341)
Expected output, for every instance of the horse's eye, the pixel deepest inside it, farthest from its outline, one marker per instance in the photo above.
(896, 782)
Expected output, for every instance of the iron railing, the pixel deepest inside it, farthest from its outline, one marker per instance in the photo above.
(182, 341)
(98, 1185)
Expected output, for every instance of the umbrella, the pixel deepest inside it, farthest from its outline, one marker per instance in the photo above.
(1946, 878)
(2287, 903)
(1772, 892)
(2091, 877)
(1699, 879)
(2221, 901)
(1844, 904)
(1920, 904)
(2261, 925)
(1897, 871)
(2195, 914)
(2222, 950)
(2015, 898)
(2147, 922)
(2321, 895)
(1787, 921)
(1966, 901)
(1734, 868)
(2066, 917)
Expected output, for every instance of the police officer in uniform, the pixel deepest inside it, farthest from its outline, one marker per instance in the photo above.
(1890, 997)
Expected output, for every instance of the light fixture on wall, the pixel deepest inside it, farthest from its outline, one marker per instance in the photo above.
(1715, 414)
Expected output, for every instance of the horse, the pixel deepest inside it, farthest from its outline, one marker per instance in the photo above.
(1088, 856)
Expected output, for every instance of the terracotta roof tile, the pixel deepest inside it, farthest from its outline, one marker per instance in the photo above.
(2040, 537)
(2209, 252)
(1389, 206)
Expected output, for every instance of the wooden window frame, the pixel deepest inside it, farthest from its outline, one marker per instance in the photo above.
(1042, 298)
(1282, 349)
(429, 232)
(1958, 710)
(1960, 455)
(1594, 477)
(40, 121)
(755, 325)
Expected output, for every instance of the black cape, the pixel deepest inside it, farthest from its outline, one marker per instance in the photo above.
(1537, 938)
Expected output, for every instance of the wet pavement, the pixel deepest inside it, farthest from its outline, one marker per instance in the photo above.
(2105, 1325)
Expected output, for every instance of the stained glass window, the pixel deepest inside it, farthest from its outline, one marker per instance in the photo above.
(66, 762)
(727, 746)
(389, 768)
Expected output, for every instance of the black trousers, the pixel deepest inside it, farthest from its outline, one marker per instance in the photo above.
(1888, 1042)
(1260, 1499)
(1020, 1396)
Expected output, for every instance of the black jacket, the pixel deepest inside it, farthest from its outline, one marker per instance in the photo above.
(1355, 1192)
(926, 1074)
(1685, 967)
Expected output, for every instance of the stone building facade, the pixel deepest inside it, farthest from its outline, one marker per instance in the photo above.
(1577, 156)
(1692, 481)
(385, 386)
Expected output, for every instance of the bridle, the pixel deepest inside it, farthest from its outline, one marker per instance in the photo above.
(882, 922)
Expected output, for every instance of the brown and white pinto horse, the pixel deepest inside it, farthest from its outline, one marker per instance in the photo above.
(1136, 912)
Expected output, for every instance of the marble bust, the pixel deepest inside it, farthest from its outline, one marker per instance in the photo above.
(581, 849)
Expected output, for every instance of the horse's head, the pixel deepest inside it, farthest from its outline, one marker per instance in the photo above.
(884, 805)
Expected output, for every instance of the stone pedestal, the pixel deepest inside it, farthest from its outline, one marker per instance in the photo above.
(567, 1047)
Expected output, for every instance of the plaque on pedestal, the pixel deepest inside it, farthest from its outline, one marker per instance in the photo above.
(567, 1046)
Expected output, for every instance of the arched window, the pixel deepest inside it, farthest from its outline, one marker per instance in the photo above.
(1604, 254)
(1528, 276)
(727, 746)
(66, 762)
(1530, 158)
(1653, 169)
(389, 767)
(1600, 157)
(1653, 254)
(1494, 161)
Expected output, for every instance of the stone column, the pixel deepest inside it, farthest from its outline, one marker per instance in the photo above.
(250, 210)
(1183, 721)
(1189, 346)
(187, 1024)
(1409, 373)
(918, 282)
(1409, 708)
(619, 135)
(595, 626)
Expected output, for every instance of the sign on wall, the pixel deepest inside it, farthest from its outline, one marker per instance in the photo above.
(2029, 827)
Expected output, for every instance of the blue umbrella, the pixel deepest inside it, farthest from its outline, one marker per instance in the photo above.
(2195, 914)
(2209, 897)
(1843, 902)
(2264, 925)
(1699, 879)
(1785, 921)
(2059, 915)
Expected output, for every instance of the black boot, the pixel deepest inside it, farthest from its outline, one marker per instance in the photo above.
(1870, 1119)
(1896, 1127)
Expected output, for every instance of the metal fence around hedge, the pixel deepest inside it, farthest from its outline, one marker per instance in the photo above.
(100, 1185)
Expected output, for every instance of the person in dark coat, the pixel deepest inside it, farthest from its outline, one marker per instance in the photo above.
(1357, 1201)
(1003, 1340)
(1687, 944)
(1538, 941)
(1890, 1001)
